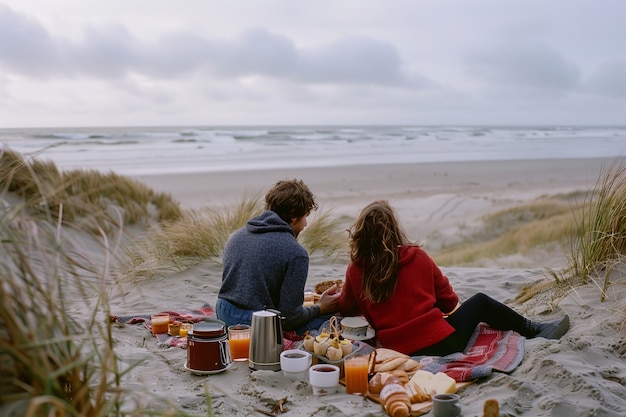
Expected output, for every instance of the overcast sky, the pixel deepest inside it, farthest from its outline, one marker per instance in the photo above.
(286, 62)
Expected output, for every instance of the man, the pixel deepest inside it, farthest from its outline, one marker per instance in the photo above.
(266, 267)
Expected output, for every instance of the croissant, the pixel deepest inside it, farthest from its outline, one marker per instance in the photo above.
(394, 398)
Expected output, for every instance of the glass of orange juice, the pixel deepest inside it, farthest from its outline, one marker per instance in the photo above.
(160, 323)
(239, 341)
(355, 368)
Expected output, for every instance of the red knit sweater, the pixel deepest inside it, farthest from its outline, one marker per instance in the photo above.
(413, 318)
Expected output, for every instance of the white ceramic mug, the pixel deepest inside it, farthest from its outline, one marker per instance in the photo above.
(324, 378)
(295, 364)
(446, 405)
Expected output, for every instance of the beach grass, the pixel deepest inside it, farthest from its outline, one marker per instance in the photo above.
(598, 240)
(325, 234)
(86, 199)
(53, 363)
(200, 235)
(544, 224)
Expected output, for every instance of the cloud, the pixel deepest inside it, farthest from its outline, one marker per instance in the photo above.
(145, 62)
(106, 52)
(532, 67)
(609, 80)
(354, 60)
(25, 46)
(111, 52)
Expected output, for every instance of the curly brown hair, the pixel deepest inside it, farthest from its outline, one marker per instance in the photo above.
(374, 241)
(290, 199)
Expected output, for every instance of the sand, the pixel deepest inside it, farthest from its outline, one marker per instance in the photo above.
(582, 374)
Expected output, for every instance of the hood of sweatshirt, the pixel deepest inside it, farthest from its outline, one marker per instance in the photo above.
(267, 222)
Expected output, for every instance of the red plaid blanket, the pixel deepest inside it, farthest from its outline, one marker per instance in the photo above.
(165, 340)
(489, 350)
(190, 316)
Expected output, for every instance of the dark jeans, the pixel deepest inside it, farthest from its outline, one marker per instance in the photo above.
(232, 315)
(479, 308)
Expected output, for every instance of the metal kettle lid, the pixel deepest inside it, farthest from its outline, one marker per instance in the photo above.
(209, 328)
(265, 313)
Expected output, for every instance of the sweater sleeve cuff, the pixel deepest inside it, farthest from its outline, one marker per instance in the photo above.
(315, 309)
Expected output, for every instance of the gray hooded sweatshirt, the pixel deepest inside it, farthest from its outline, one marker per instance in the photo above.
(266, 267)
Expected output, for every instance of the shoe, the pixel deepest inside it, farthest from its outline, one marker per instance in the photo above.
(554, 329)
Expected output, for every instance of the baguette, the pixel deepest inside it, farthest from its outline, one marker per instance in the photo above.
(389, 365)
(387, 360)
(383, 354)
(411, 365)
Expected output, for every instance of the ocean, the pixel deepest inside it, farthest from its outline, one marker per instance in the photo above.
(192, 149)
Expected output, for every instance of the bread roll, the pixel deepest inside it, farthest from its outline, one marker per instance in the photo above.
(376, 384)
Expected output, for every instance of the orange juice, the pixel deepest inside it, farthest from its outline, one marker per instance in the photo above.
(355, 368)
(160, 323)
(239, 341)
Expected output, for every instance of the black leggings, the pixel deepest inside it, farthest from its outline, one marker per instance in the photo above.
(480, 308)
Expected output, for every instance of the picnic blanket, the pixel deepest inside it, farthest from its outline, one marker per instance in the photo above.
(488, 350)
(290, 339)
(165, 340)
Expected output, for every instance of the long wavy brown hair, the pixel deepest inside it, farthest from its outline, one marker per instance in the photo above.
(374, 241)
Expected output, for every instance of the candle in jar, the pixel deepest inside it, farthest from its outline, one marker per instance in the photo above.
(184, 329)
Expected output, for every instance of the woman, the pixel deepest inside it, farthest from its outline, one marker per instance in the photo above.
(409, 302)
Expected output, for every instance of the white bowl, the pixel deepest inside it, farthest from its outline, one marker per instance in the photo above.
(354, 327)
(324, 379)
(295, 364)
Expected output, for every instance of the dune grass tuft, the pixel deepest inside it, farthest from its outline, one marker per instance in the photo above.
(88, 199)
(601, 233)
(598, 240)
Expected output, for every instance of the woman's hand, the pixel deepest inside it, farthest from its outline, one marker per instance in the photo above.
(453, 310)
(328, 300)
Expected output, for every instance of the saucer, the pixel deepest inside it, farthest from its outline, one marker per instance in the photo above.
(196, 372)
(369, 335)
